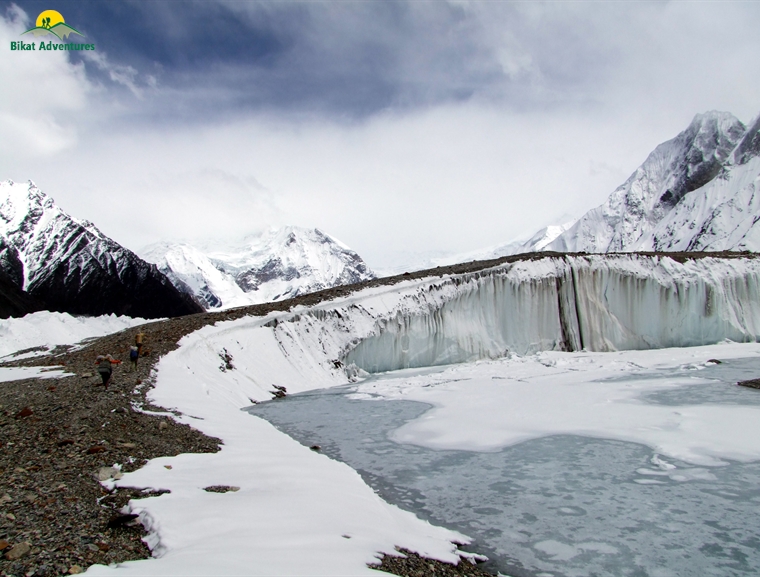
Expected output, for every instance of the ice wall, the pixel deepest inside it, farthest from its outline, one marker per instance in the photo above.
(598, 303)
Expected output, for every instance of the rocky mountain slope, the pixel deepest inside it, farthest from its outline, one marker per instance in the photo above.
(281, 264)
(67, 265)
(694, 192)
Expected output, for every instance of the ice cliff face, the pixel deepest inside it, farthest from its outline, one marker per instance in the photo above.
(280, 264)
(595, 302)
(68, 265)
(570, 303)
(695, 192)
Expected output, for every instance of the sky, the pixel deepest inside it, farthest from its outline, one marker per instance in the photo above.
(402, 128)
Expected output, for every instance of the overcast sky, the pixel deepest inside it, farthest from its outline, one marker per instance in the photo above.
(397, 127)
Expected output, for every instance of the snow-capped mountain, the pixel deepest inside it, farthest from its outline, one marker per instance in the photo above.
(694, 192)
(280, 264)
(70, 266)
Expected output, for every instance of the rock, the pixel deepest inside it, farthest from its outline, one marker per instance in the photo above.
(11, 517)
(25, 412)
(106, 473)
(168, 467)
(121, 520)
(221, 489)
(86, 375)
(163, 425)
(18, 551)
(96, 449)
(715, 361)
(752, 383)
(315, 448)
(65, 442)
(93, 547)
(75, 569)
(5, 499)
(4, 544)
(128, 445)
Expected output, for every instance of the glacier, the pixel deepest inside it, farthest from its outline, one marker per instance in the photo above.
(568, 303)
(528, 304)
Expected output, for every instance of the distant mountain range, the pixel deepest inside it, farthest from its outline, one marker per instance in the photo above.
(699, 191)
(280, 264)
(50, 260)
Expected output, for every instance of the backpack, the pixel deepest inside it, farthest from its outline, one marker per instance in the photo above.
(104, 366)
(133, 353)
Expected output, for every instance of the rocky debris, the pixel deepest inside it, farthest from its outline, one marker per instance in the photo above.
(279, 392)
(752, 383)
(221, 488)
(51, 460)
(413, 565)
(226, 361)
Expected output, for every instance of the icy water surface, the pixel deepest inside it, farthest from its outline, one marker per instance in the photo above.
(561, 505)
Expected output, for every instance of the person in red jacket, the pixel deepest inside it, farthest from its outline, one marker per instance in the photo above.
(105, 368)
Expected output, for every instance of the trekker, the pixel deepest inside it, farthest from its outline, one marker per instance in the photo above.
(139, 337)
(134, 354)
(105, 368)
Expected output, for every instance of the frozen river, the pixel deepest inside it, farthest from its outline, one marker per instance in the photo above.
(640, 463)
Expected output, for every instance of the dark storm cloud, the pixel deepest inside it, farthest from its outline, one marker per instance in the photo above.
(438, 125)
(341, 58)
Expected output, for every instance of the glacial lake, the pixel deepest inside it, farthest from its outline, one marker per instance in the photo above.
(562, 505)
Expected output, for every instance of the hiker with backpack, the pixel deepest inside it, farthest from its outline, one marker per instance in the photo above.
(105, 368)
(134, 354)
(139, 337)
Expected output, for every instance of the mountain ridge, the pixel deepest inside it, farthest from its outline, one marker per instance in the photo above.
(281, 263)
(68, 265)
(710, 162)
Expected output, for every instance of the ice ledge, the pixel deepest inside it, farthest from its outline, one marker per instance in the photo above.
(596, 303)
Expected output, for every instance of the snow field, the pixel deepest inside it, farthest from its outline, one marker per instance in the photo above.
(50, 329)
(296, 513)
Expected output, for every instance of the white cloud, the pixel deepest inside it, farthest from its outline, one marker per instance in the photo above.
(585, 91)
(119, 73)
(40, 94)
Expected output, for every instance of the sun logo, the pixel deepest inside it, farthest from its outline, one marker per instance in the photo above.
(52, 22)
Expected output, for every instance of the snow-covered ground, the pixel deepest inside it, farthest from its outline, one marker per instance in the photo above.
(297, 512)
(8, 374)
(47, 329)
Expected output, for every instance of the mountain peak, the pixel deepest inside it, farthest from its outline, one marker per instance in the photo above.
(703, 158)
(70, 266)
(280, 263)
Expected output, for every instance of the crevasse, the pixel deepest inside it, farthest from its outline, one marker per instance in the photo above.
(597, 303)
